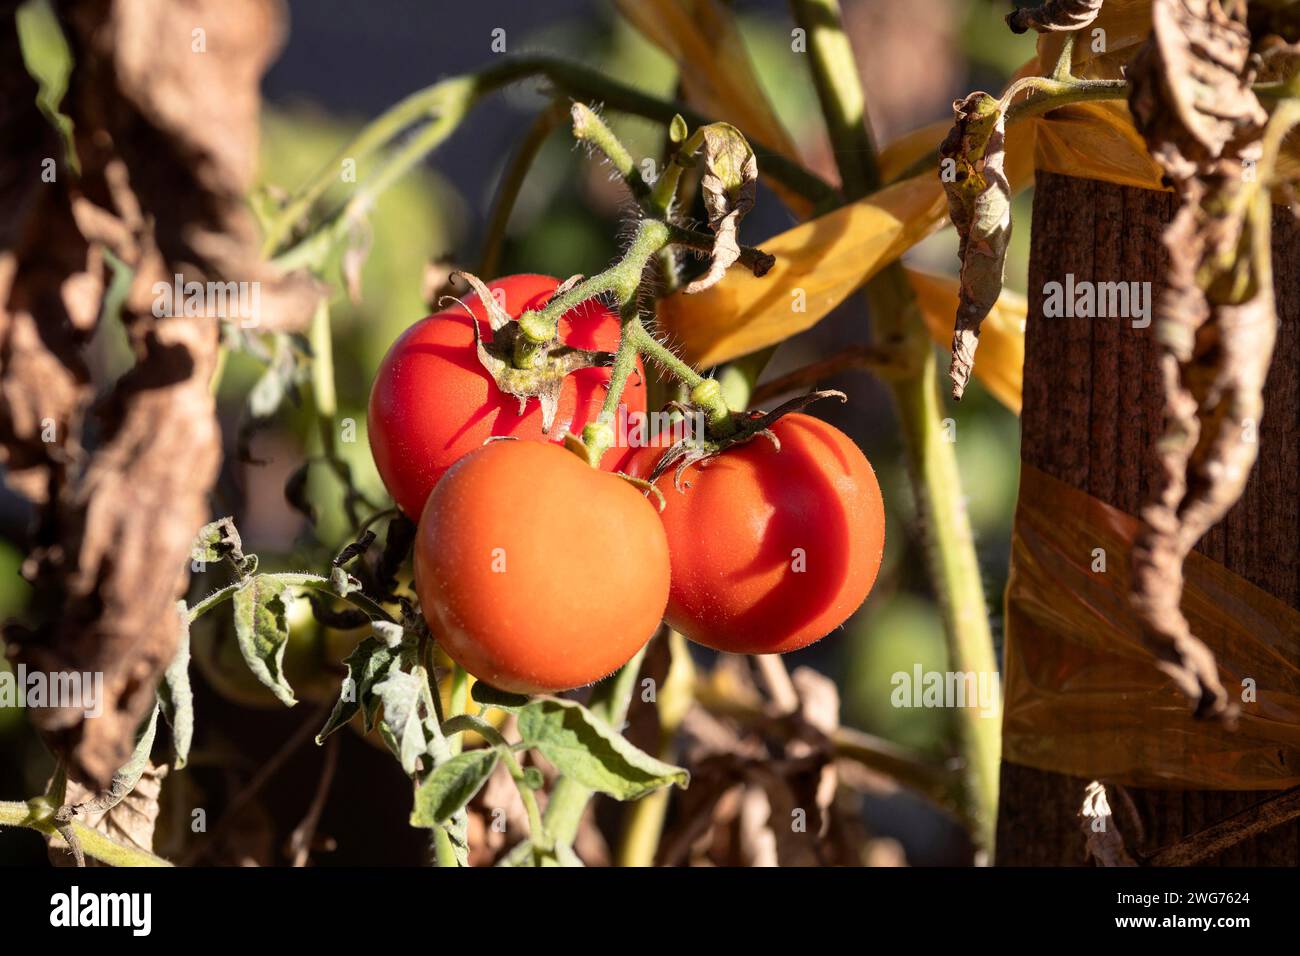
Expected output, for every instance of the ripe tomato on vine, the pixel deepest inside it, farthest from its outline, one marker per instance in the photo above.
(433, 402)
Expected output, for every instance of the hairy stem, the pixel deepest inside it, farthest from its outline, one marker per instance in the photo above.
(93, 843)
(294, 580)
(588, 127)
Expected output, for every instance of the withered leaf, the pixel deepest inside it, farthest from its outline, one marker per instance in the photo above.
(729, 185)
(1191, 99)
(1104, 842)
(163, 191)
(1054, 16)
(979, 205)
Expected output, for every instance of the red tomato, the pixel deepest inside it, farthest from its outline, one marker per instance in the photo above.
(536, 572)
(772, 550)
(432, 402)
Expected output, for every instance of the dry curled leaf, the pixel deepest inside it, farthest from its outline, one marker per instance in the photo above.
(1054, 16)
(166, 144)
(972, 159)
(129, 822)
(729, 185)
(1191, 99)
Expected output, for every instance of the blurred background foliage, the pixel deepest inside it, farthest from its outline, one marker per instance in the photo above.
(344, 62)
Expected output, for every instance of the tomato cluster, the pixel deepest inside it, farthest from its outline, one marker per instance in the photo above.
(539, 573)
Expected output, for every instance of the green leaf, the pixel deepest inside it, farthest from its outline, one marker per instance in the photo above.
(402, 693)
(677, 131)
(129, 774)
(452, 785)
(484, 693)
(584, 747)
(175, 697)
(262, 627)
(48, 60)
(533, 779)
(368, 664)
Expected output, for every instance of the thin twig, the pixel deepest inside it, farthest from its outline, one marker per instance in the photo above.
(304, 834)
(300, 736)
(512, 181)
(1226, 834)
(776, 681)
(868, 357)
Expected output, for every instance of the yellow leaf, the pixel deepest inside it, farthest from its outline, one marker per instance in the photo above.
(910, 148)
(1096, 141)
(1002, 335)
(818, 264)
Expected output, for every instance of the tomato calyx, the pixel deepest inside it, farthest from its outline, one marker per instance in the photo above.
(544, 365)
(748, 426)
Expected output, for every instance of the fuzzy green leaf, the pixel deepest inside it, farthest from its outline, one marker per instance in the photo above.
(585, 748)
(368, 664)
(452, 785)
(262, 627)
(175, 697)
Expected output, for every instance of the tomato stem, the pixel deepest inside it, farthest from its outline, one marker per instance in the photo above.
(588, 127)
(665, 189)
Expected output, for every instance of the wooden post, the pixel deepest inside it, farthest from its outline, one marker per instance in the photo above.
(1092, 408)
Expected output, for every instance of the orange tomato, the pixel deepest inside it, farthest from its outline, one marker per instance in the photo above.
(536, 572)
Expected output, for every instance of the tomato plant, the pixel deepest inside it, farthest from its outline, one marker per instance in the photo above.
(771, 549)
(433, 402)
(548, 597)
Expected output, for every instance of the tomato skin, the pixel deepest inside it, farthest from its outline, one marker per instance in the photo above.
(432, 402)
(733, 535)
(536, 572)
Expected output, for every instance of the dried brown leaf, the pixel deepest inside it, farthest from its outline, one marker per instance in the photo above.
(130, 822)
(1104, 842)
(1191, 98)
(729, 185)
(1054, 16)
(979, 205)
(166, 140)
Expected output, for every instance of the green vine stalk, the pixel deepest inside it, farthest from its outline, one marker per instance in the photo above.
(936, 482)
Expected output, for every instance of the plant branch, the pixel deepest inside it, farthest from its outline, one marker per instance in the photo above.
(93, 843)
(295, 579)
(443, 105)
(839, 90)
(936, 483)
(512, 181)
(589, 128)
